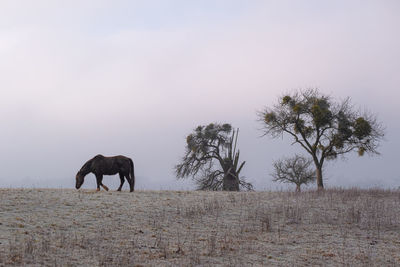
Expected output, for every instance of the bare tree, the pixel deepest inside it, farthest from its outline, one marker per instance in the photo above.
(295, 170)
(322, 127)
(212, 159)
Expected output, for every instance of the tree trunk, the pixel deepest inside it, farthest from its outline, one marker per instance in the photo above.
(318, 172)
(297, 188)
(320, 183)
(230, 182)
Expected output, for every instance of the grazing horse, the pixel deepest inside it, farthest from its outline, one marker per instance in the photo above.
(100, 165)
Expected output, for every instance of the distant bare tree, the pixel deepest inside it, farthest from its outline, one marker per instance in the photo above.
(212, 160)
(295, 170)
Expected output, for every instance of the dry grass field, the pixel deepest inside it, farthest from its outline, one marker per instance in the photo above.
(56, 227)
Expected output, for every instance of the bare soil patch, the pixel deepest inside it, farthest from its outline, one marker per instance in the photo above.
(51, 227)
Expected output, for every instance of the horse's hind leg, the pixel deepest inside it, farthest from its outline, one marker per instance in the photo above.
(121, 177)
(131, 182)
(128, 178)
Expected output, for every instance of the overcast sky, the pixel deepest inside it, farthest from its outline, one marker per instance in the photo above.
(79, 78)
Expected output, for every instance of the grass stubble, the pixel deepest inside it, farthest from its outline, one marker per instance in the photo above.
(336, 227)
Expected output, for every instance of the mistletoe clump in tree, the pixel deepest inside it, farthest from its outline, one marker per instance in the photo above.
(322, 127)
(212, 160)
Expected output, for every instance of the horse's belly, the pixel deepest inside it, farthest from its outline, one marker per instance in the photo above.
(111, 172)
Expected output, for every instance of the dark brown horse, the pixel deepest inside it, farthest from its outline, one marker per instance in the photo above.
(100, 165)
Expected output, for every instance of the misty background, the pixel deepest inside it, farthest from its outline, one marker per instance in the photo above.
(80, 78)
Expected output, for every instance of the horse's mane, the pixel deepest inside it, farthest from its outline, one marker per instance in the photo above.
(87, 167)
(99, 156)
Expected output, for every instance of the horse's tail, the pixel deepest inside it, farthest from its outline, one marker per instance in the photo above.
(132, 174)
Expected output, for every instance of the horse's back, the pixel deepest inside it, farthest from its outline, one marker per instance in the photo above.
(111, 165)
(121, 158)
(123, 162)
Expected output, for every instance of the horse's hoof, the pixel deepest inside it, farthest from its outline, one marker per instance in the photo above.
(98, 189)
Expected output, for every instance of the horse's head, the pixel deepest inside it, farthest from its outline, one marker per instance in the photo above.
(79, 180)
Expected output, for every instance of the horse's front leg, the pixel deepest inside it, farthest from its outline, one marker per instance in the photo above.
(105, 187)
(99, 180)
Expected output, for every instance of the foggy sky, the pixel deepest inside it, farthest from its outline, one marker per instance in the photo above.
(80, 78)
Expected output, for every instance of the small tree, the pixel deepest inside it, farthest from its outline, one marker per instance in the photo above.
(295, 170)
(212, 160)
(322, 127)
